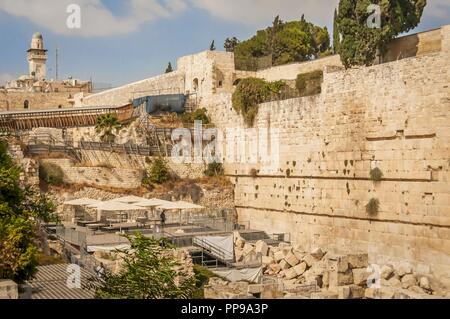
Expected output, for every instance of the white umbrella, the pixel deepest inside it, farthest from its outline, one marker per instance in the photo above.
(113, 206)
(82, 202)
(180, 205)
(154, 202)
(129, 199)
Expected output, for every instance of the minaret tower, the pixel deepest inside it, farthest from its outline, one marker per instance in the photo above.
(37, 57)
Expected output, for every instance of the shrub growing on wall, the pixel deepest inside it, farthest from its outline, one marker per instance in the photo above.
(214, 169)
(197, 115)
(159, 171)
(51, 174)
(373, 206)
(359, 43)
(253, 91)
(376, 174)
(309, 83)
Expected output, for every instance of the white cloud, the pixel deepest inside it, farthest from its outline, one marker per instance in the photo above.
(5, 77)
(96, 18)
(262, 12)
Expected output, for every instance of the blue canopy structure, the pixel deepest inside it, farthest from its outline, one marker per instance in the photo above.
(166, 103)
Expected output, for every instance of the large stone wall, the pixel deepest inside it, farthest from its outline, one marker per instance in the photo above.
(122, 178)
(394, 116)
(171, 83)
(14, 101)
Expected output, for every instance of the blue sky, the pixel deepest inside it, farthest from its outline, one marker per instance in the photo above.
(124, 41)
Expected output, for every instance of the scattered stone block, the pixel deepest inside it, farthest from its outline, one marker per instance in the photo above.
(337, 279)
(300, 268)
(338, 263)
(298, 254)
(262, 248)
(275, 268)
(266, 260)
(309, 260)
(317, 253)
(291, 259)
(279, 255)
(290, 273)
(9, 289)
(324, 295)
(255, 289)
(403, 268)
(379, 293)
(360, 276)
(284, 265)
(247, 249)
(360, 260)
(351, 292)
(395, 282)
(408, 280)
(424, 283)
(387, 272)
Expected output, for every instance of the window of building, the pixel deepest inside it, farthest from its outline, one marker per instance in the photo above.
(26, 104)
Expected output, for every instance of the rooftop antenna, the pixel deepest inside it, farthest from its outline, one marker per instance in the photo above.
(56, 69)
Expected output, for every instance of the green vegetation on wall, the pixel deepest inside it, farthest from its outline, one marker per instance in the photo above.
(214, 169)
(360, 43)
(106, 125)
(197, 115)
(284, 42)
(51, 174)
(253, 91)
(159, 171)
(309, 83)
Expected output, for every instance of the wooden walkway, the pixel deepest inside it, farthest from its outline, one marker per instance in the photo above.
(60, 118)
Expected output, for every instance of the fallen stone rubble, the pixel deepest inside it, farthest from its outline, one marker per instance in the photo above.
(318, 274)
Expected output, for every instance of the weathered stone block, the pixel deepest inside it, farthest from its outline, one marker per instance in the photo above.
(300, 268)
(255, 289)
(403, 268)
(266, 260)
(360, 260)
(279, 255)
(387, 272)
(338, 263)
(291, 259)
(351, 292)
(9, 289)
(309, 260)
(408, 280)
(379, 293)
(360, 276)
(324, 295)
(317, 253)
(290, 273)
(284, 265)
(337, 279)
(262, 248)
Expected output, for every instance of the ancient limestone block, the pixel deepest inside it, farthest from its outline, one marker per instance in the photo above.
(317, 253)
(309, 260)
(284, 265)
(360, 276)
(351, 292)
(338, 263)
(424, 283)
(337, 279)
(247, 249)
(266, 260)
(290, 273)
(275, 268)
(291, 259)
(324, 295)
(262, 248)
(300, 268)
(408, 280)
(379, 293)
(387, 272)
(8, 289)
(360, 260)
(278, 255)
(394, 282)
(403, 268)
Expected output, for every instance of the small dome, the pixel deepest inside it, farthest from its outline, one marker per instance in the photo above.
(37, 35)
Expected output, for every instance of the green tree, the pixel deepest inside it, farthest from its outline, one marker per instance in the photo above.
(212, 47)
(286, 42)
(230, 44)
(336, 36)
(149, 272)
(169, 68)
(360, 43)
(106, 125)
(159, 172)
(21, 210)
